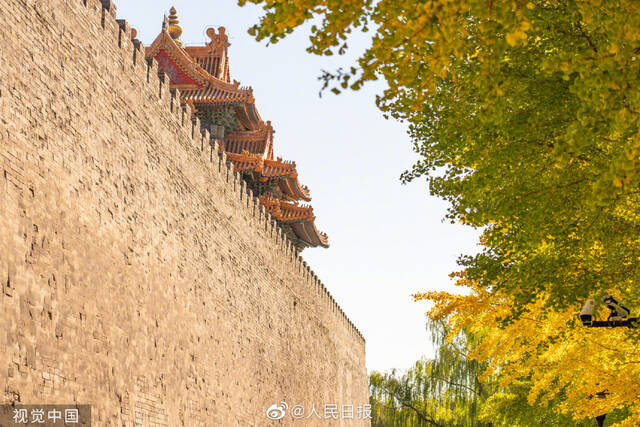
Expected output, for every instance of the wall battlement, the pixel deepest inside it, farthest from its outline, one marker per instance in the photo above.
(128, 233)
(224, 167)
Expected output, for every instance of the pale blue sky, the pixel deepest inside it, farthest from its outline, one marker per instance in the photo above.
(387, 240)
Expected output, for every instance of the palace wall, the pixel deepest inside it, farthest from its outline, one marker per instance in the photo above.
(137, 274)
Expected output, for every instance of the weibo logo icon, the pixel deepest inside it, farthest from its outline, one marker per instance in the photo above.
(277, 412)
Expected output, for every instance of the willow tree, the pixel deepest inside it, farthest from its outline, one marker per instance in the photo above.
(442, 391)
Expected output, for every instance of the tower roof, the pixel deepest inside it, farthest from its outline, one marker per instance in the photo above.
(258, 141)
(201, 73)
(214, 56)
(299, 218)
(283, 173)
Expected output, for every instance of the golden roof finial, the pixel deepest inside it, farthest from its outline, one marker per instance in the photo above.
(175, 30)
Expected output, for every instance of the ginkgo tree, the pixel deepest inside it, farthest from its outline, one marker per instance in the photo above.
(525, 115)
(528, 112)
(578, 371)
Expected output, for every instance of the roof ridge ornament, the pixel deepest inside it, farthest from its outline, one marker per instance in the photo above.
(219, 38)
(175, 30)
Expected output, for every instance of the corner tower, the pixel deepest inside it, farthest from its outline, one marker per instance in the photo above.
(228, 111)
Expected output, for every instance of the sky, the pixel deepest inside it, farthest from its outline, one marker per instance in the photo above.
(388, 240)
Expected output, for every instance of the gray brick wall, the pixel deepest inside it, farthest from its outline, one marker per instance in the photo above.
(137, 274)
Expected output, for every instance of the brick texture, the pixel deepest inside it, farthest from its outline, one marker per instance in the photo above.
(137, 274)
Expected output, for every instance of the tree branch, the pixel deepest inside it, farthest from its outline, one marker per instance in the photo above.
(420, 415)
